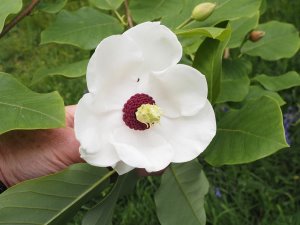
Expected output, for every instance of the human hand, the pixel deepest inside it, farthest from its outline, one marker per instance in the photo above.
(27, 154)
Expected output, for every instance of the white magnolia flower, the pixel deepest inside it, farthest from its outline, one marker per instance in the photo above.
(143, 109)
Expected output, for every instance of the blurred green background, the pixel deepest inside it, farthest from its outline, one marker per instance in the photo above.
(265, 192)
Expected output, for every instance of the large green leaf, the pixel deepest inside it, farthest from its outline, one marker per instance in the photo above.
(174, 20)
(191, 39)
(231, 10)
(225, 10)
(72, 70)
(235, 82)
(281, 40)
(51, 6)
(211, 32)
(149, 10)
(208, 60)
(84, 28)
(240, 28)
(248, 134)
(107, 4)
(54, 199)
(8, 7)
(102, 213)
(256, 92)
(278, 83)
(180, 198)
(25, 109)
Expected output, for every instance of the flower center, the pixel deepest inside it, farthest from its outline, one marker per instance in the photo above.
(148, 114)
(140, 112)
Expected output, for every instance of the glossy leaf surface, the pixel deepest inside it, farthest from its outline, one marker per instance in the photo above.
(25, 109)
(180, 198)
(248, 134)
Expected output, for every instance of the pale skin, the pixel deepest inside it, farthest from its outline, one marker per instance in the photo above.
(34, 153)
(27, 154)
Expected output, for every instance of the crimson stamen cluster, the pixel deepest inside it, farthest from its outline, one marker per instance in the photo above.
(130, 108)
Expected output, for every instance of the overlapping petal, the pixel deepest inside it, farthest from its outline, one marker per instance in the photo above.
(189, 136)
(142, 149)
(114, 68)
(160, 46)
(179, 91)
(122, 168)
(93, 130)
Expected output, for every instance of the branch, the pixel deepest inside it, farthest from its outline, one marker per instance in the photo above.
(25, 12)
(128, 14)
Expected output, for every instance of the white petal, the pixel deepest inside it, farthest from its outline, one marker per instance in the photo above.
(142, 149)
(114, 68)
(159, 45)
(189, 136)
(122, 168)
(179, 91)
(93, 131)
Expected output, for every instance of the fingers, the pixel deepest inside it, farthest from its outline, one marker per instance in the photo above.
(70, 111)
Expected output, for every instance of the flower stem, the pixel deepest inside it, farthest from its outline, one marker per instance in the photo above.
(186, 22)
(25, 12)
(120, 18)
(128, 14)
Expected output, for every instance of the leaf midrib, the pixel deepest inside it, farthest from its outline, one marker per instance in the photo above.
(185, 196)
(96, 184)
(252, 134)
(31, 110)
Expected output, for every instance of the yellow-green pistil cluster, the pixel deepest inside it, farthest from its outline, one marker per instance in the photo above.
(148, 114)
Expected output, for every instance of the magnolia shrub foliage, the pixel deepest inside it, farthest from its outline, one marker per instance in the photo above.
(217, 40)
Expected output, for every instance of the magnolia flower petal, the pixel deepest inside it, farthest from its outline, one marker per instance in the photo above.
(114, 68)
(142, 149)
(179, 91)
(189, 136)
(122, 168)
(92, 130)
(159, 45)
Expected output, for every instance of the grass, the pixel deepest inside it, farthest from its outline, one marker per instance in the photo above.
(264, 192)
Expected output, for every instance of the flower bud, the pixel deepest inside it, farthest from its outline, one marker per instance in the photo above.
(256, 35)
(203, 11)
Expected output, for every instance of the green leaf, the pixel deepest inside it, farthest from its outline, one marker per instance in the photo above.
(149, 10)
(190, 44)
(174, 20)
(263, 7)
(51, 6)
(231, 10)
(180, 197)
(235, 82)
(72, 70)
(248, 134)
(192, 38)
(25, 109)
(278, 83)
(54, 199)
(107, 4)
(211, 32)
(281, 40)
(240, 29)
(225, 10)
(84, 28)
(256, 92)
(208, 60)
(102, 213)
(8, 7)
